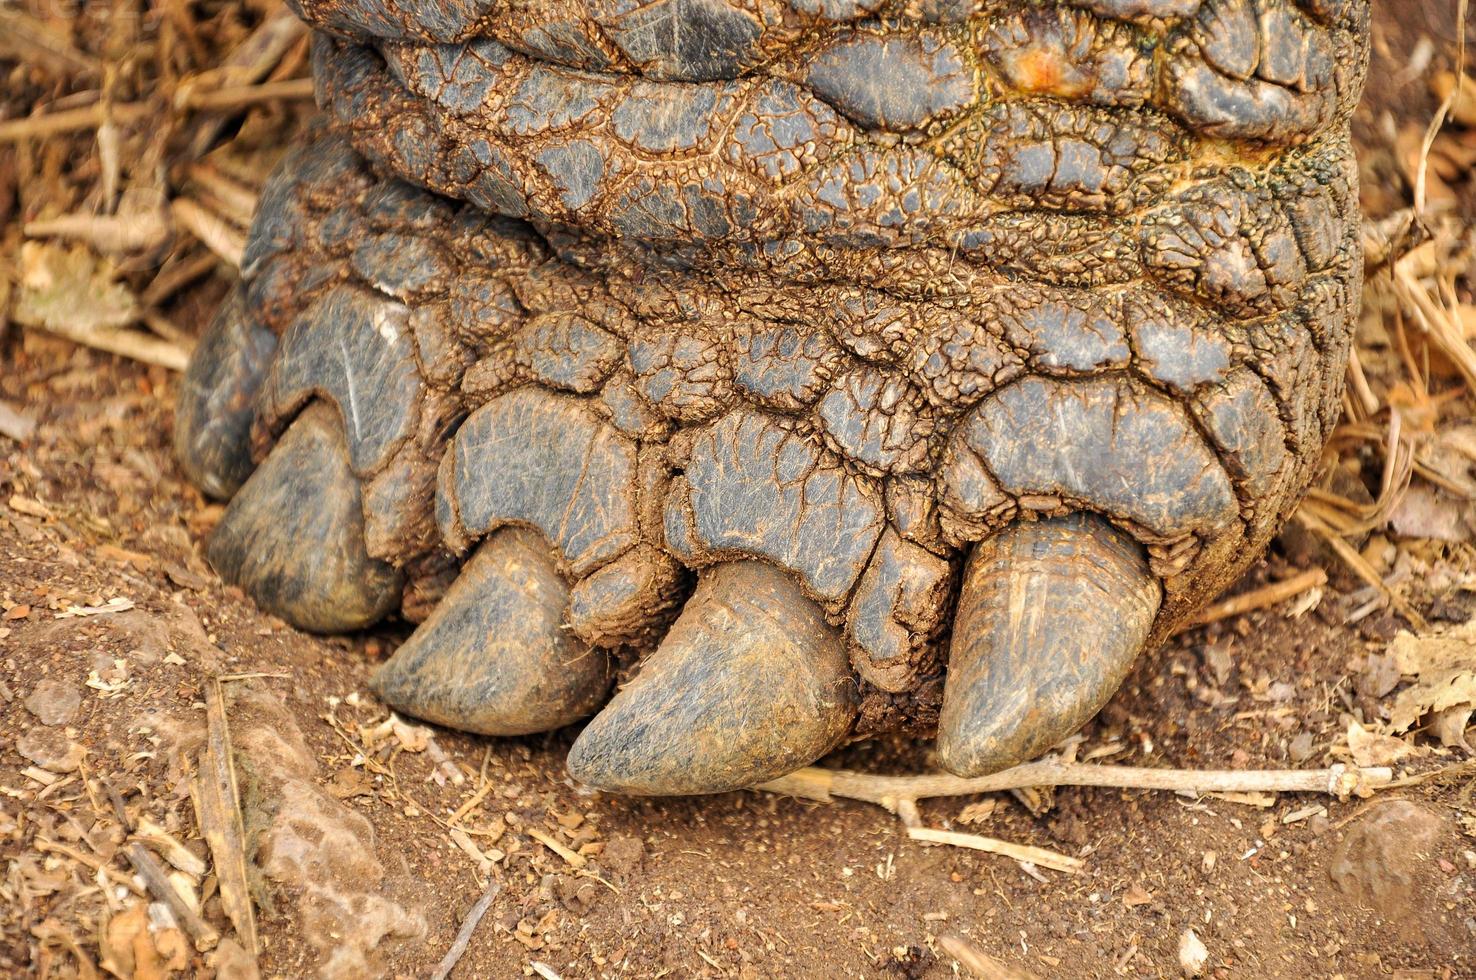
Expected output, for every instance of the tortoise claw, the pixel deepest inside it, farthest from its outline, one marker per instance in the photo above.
(217, 398)
(494, 656)
(293, 537)
(750, 683)
(1051, 616)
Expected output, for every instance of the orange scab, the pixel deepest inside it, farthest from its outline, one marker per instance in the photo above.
(1044, 71)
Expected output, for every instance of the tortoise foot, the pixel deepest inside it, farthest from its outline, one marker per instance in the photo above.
(956, 352)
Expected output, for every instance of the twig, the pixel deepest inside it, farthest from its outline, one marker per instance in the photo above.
(116, 800)
(1308, 518)
(166, 330)
(1263, 597)
(169, 849)
(980, 964)
(218, 803)
(471, 803)
(28, 40)
(1438, 121)
(239, 96)
(574, 860)
(126, 343)
(212, 230)
(89, 117)
(136, 231)
(815, 783)
(159, 885)
(1020, 852)
(236, 198)
(176, 275)
(255, 56)
(1445, 775)
(249, 62)
(464, 934)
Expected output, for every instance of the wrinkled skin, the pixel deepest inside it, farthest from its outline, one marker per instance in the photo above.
(812, 367)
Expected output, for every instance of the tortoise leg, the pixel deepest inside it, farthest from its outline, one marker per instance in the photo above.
(293, 537)
(750, 683)
(494, 657)
(1051, 616)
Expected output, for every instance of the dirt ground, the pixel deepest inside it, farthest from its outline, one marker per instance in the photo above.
(368, 840)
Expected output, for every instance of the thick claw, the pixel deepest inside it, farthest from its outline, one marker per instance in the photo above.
(217, 399)
(293, 537)
(1051, 617)
(749, 684)
(494, 656)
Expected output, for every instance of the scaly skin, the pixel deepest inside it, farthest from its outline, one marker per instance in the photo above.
(847, 291)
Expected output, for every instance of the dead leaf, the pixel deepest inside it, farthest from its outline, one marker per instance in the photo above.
(1375, 749)
(14, 423)
(116, 604)
(117, 941)
(1135, 896)
(67, 290)
(350, 782)
(1429, 512)
(1463, 108)
(1450, 727)
(978, 812)
(1443, 669)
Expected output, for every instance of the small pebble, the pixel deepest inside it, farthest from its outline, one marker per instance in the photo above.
(1193, 956)
(50, 749)
(54, 702)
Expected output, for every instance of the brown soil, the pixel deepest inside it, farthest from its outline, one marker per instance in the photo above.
(93, 510)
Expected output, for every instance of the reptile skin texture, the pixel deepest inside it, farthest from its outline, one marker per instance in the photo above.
(799, 370)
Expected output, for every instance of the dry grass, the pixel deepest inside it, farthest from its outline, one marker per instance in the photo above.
(131, 148)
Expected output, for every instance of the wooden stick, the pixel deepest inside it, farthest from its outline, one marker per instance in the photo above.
(1020, 852)
(89, 117)
(212, 230)
(125, 343)
(159, 885)
(240, 96)
(471, 804)
(977, 962)
(175, 276)
(169, 849)
(814, 783)
(28, 39)
(1262, 598)
(464, 934)
(109, 233)
(574, 860)
(218, 803)
(236, 198)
